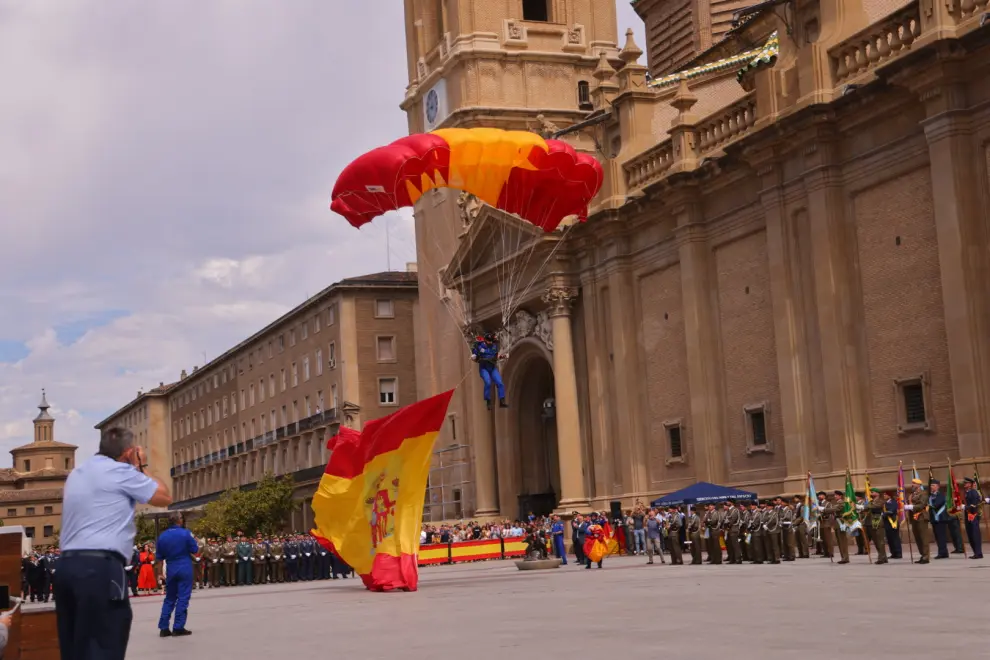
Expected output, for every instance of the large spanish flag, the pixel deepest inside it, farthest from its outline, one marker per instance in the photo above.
(369, 506)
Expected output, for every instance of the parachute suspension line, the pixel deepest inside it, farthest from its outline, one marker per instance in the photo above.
(543, 265)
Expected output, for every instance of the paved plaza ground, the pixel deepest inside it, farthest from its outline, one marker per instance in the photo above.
(628, 609)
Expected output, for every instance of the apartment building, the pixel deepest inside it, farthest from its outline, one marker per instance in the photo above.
(147, 417)
(269, 404)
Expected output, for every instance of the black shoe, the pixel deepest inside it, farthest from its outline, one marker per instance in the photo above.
(488, 403)
(181, 632)
(843, 561)
(881, 561)
(921, 561)
(958, 552)
(165, 632)
(941, 556)
(976, 557)
(502, 403)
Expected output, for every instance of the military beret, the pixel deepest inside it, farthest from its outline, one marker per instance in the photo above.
(820, 493)
(729, 500)
(838, 492)
(874, 490)
(969, 480)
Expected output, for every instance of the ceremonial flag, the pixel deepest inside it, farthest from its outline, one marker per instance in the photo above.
(976, 478)
(900, 496)
(914, 470)
(866, 487)
(952, 494)
(850, 521)
(811, 507)
(369, 505)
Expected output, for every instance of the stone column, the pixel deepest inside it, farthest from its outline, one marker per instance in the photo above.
(573, 494)
(839, 317)
(955, 154)
(706, 440)
(483, 441)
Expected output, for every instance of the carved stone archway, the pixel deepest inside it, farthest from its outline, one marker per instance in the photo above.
(528, 459)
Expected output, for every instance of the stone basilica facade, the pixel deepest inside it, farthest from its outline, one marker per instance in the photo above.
(786, 270)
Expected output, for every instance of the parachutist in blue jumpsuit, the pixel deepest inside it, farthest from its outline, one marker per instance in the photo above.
(175, 546)
(485, 353)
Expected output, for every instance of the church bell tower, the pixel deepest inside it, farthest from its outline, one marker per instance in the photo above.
(510, 64)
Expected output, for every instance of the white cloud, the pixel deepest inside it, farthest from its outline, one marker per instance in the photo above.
(173, 161)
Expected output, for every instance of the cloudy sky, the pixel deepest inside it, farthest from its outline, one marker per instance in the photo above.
(164, 183)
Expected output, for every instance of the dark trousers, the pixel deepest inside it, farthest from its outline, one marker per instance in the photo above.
(291, 570)
(340, 567)
(893, 541)
(91, 607)
(941, 538)
(973, 534)
(178, 590)
(244, 572)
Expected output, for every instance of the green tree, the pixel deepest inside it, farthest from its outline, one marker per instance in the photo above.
(263, 509)
(145, 529)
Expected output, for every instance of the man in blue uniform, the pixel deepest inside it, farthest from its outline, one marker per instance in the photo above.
(557, 529)
(306, 551)
(940, 518)
(974, 509)
(485, 353)
(176, 546)
(291, 559)
(891, 525)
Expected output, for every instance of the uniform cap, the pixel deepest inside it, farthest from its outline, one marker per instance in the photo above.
(838, 492)
(936, 481)
(969, 480)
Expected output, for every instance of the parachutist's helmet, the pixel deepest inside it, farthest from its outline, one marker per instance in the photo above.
(489, 336)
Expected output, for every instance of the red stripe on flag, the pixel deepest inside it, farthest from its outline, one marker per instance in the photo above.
(352, 450)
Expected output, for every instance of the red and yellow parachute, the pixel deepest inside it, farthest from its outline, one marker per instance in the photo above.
(541, 181)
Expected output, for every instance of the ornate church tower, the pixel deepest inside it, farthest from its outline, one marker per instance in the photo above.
(512, 64)
(44, 423)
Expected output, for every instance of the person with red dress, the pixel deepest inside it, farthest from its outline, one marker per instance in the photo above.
(146, 576)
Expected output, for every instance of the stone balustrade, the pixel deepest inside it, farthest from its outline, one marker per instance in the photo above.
(877, 44)
(727, 124)
(650, 165)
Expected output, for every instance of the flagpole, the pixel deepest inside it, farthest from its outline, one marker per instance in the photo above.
(952, 493)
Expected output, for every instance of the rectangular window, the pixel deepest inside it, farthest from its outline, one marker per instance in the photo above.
(29, 532)
(309, 410)
(27, 465)
(11, 513)
(281, 343)
(29, 511)
(209, 416)
(386, 349)
(387, 391)
(216, 411)
(384, 309)
(225, 407)
(233, 404)
(251, 394)
(331, 314)
(306, 369)
(292, 337)
(913, 404)
(273, 419)
(316, 323)
(285, 417)
(536, 10)
(453, 426)
(271, 385)
(295, 411)
(68, 463)
(333, 396)
(282, 378)
(216, 381)
(319, 362)
(223, 376)
(243, 400)
(261, 390)
(674, 440)
(49, 531)
(332, 355)
(305, 329)
(295, 375)
(319, 402)
(757, 428)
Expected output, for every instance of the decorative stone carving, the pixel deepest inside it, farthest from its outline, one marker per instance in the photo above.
(547, 128)
(560, 299)
(515, 32)
(469, 207)
(523, 325)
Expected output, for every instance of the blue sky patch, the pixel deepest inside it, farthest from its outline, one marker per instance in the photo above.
(12, 351)
(72, 331)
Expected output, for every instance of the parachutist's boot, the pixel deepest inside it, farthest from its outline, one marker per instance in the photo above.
(488, 403)
(502, 403)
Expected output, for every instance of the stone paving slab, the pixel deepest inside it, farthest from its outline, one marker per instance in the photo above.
(810, 607)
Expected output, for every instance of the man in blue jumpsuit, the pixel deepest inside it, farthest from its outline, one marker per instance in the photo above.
(485, 353)
(176, 546)
(557, 529)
